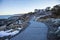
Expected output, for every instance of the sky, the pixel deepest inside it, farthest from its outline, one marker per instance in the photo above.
(9, 7)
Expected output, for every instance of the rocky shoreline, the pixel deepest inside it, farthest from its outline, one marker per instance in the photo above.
(15, 27)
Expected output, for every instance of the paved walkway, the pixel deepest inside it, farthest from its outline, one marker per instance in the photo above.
(36, 31)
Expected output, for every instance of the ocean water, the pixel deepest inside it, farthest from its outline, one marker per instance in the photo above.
(5, 16)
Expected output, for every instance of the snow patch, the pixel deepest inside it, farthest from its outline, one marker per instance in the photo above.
(7, 33)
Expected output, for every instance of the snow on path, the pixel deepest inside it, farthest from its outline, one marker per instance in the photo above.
(36, 31)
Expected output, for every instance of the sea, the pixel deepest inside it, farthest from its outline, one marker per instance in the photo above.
(5, 16)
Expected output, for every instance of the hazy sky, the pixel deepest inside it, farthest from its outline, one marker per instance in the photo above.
(8, 7)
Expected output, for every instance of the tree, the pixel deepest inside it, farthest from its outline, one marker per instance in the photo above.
(56, 10)
(31, 13)
(47, 9)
